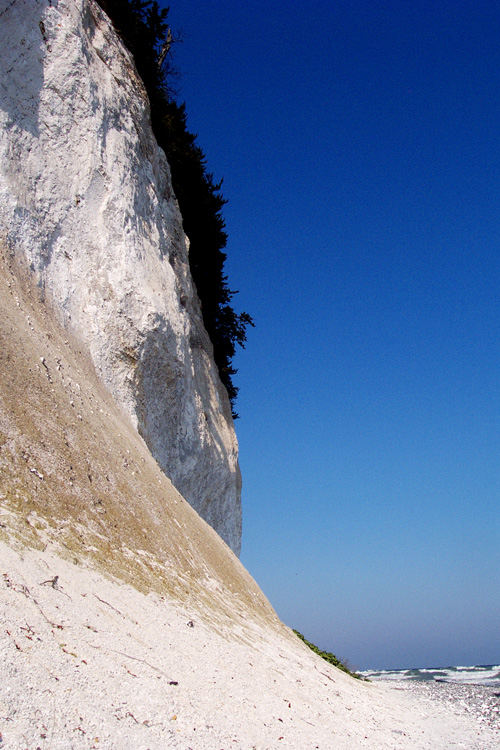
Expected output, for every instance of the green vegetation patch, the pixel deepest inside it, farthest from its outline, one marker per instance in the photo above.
(327, 656)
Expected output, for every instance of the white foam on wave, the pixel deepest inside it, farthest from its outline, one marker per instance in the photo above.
(431, 670)
(471, 675)
(481, 676)
(386, 674)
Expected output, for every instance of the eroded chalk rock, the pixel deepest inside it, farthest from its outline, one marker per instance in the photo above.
(86, 202)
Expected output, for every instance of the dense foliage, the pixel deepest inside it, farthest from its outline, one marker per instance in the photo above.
(327, 656)
(143, 26)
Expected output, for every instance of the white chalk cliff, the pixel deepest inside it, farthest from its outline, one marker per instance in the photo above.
(86, 203)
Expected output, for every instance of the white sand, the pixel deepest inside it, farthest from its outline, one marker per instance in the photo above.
(93, 663)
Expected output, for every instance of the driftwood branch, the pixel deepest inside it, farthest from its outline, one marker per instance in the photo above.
(103, 601)
(143, 661)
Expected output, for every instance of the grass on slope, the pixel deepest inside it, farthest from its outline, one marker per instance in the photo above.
(327, 656)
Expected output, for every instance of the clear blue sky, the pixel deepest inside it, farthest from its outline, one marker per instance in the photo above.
(359, 142)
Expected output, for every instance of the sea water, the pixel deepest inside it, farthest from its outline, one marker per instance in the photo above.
(486, 674)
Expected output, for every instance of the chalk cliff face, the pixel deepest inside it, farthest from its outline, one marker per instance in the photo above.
(86, 203)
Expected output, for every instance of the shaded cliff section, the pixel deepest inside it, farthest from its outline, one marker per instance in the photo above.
(86, 203)
(77, 479)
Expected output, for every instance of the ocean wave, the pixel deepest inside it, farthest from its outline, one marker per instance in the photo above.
(484, 674)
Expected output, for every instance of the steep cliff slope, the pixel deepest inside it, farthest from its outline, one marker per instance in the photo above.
(76, 476)
(86, 202)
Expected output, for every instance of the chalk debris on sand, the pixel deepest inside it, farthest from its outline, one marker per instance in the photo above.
(88, 662)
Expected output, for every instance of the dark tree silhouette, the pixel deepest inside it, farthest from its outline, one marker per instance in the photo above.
(144, 28)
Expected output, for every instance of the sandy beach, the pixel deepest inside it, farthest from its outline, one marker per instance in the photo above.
(88, 662)
(481, 702)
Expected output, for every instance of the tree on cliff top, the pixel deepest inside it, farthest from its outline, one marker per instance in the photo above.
(144, 29)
